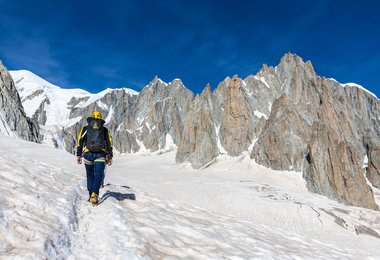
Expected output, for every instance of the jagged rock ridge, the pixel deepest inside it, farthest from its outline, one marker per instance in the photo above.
(150, 120)
(289, 118)
(286, 117)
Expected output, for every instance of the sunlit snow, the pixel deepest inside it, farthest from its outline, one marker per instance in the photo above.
(152, 208)
(360, 87)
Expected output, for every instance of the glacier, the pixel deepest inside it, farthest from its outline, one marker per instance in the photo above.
(153, 208)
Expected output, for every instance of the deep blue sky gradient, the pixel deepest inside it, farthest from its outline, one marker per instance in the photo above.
(98, 44)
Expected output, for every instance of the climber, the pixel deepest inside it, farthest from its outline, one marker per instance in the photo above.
(95, 146)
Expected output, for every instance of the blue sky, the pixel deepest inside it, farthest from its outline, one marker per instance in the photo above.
(98, 44)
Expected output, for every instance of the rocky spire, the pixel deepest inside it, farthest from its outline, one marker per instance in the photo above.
(198, 144)
(236, 129)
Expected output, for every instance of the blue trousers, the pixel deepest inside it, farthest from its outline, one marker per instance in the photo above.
(95, 165)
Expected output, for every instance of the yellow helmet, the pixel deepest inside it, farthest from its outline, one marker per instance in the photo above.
(97, 114)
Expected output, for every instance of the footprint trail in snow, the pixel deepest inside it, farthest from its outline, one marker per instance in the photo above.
(123, 228)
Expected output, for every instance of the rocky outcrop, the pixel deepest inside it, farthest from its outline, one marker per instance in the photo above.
(292, 119)
(236, 129)
(13, 120)
(115, 107)
(159, 113)
(315, 127)
(282, 144)
(373, 167)
(333, 169)
(198, 143)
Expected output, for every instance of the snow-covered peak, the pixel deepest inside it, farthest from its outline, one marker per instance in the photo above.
(96, 97)
(37, 93)
(354, 85)
(350, 84)
(103, 92)
(130, 91)
(28, 76)
(155, 80)
(332, 79)
(30, 82)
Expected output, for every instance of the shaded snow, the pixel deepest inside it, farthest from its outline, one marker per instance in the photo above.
(4, 127)
(119, 127)
(73, 121)
(169, 143)
(110, 115)
(219, 144)
(32, 105)
(260, 115)
(252, 145)
(262, 79)
(365, 161)
(130, 91)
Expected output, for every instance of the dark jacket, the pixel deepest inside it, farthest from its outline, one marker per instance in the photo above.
(94, 131)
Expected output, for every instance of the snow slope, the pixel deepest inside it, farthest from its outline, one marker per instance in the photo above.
(34, 90)
(153, 208)
(354, 85)
(57, 111)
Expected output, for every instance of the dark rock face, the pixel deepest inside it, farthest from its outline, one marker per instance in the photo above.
(13, 121)
(373, 172)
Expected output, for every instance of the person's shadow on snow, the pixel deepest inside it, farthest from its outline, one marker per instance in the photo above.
(117, 195)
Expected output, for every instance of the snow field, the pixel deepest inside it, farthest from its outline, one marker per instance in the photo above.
(239, 189)
(38, 208)
(153, 208)
(159, 229)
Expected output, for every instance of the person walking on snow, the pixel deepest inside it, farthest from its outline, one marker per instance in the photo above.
(95, 146)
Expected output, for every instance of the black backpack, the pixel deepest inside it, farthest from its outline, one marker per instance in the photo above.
(95, 135)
